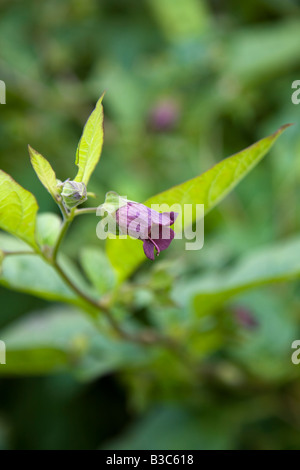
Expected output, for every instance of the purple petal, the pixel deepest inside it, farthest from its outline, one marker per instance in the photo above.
(172, 216)
(134, 219)
(164, 218)
(164, 243)
(148, 249)
(161, 232)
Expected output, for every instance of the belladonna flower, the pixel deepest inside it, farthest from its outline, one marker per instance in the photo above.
(141, 222)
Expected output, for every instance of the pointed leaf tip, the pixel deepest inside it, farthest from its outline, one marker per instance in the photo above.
(90, 145)
(44, 171)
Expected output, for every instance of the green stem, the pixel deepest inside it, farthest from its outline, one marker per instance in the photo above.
(145, 337)
(12, 253)
(86, 210)
(65, 225)
(62, 208)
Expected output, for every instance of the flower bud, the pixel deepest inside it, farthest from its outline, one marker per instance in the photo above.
(73, 193)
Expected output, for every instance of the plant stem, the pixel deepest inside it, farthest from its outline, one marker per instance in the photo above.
(65, 225)
(86, 210)
(76, 289)
(62, 208)
(12, 253)
(145, 337)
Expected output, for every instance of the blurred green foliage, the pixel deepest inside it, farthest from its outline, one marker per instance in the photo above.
(187, 83)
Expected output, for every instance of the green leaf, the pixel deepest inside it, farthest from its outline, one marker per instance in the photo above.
(9, 243)
(260, 356)
(181, 20)
(31, 274)
(48, 228)
(174, 428)
(208, 189)
(44, 172)
(62, 339)
(17, 210)
(90, 145)
(267, 265)
(98, 269)
(46, 341)
(247, 61)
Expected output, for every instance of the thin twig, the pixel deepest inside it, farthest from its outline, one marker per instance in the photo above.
(144, 337)
(12, 253)
(94, 303)
(86, 210)
(65, 225)
(63, 210)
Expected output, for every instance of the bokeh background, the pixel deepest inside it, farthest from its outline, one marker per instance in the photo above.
(188, 82)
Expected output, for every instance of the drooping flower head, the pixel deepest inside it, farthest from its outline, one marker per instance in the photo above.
(141, 222)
